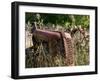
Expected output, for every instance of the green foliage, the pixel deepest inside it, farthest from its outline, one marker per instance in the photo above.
(56, 19)
(29, 17)
(82, 20)
(76, 25)
(64, 20)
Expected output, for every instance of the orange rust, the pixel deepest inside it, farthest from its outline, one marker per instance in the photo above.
(67, 40)
(47, 34)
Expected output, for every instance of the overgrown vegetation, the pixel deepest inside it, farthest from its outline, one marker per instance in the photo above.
(76, 25)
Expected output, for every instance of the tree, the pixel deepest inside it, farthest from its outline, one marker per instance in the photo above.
(64, 20)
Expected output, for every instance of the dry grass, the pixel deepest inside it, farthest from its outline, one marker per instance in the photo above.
(40, 56)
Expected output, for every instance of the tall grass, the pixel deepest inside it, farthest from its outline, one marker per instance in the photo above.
(39, 56)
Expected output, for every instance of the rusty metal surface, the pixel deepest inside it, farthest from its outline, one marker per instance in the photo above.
(67, 41)
(69, 51)
(47, 34)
